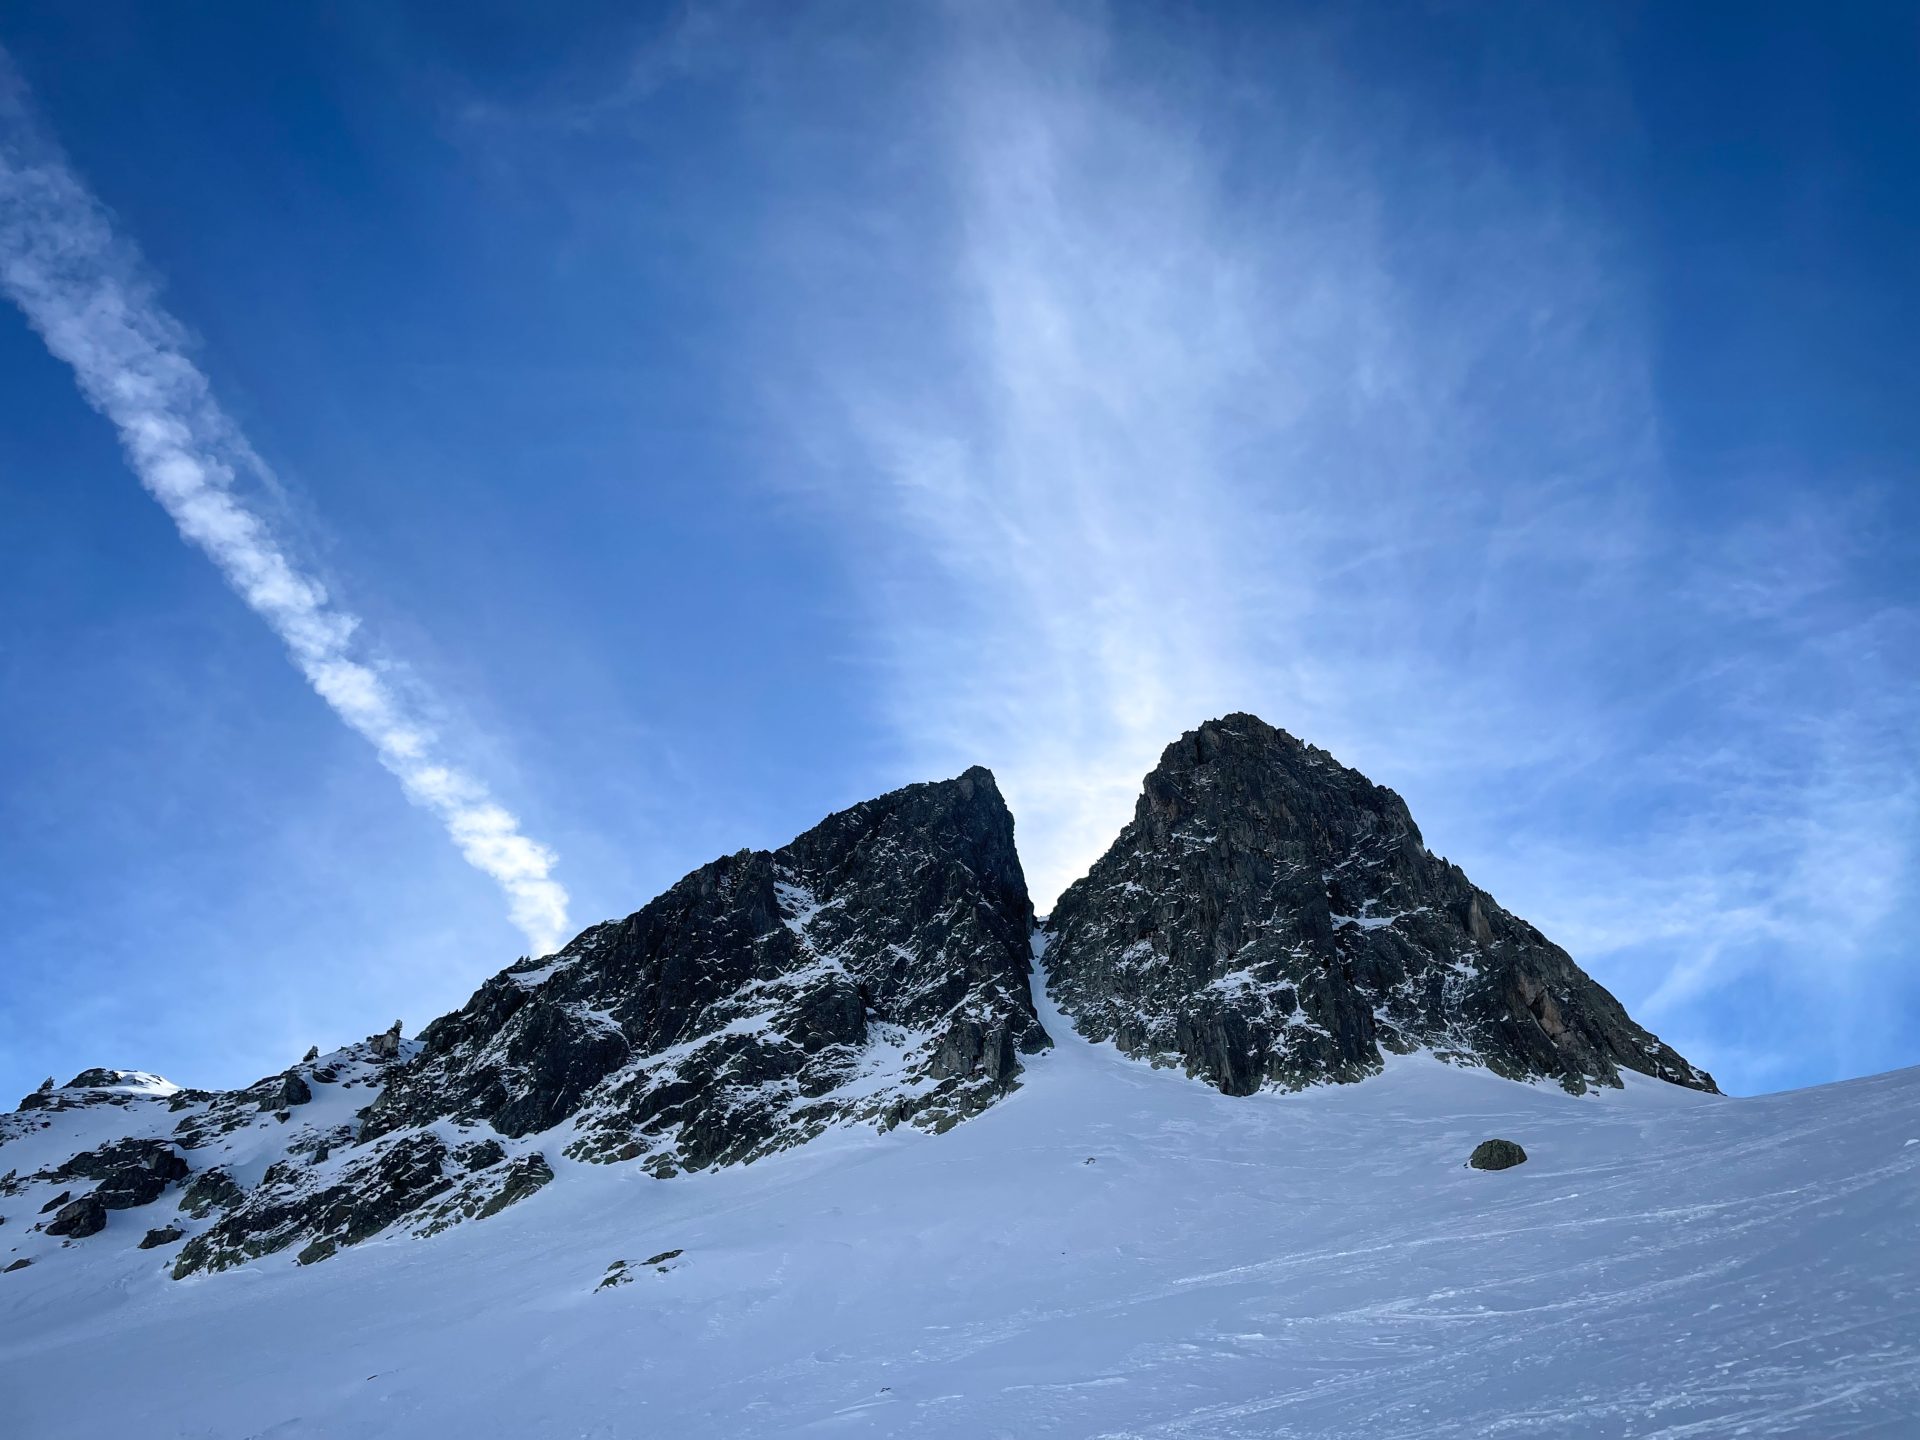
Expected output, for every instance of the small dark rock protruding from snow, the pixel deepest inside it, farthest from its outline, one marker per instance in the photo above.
(164, 1235)
(1496, 1155)
(19, 1264)
(313, 1054)
(617, 1274)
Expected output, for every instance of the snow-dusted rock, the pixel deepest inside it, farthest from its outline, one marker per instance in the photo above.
(874, 969)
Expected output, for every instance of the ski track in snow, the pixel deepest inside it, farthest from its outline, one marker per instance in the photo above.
(1321, 1264)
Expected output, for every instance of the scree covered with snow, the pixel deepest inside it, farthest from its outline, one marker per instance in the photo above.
(1114, 1250)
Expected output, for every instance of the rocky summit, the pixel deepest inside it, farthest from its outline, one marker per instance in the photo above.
(1268, 919)
(1271, 917)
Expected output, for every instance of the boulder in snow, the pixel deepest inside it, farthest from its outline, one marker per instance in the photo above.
(1496, 1155)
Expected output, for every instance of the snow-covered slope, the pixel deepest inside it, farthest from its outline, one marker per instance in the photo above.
(1109, 1250)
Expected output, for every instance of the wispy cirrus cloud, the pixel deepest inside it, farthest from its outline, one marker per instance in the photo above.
(80, 287)
(1178, 426)
(1201, 396)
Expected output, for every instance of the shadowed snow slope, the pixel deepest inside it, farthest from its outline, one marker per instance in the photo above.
(1111, 1250)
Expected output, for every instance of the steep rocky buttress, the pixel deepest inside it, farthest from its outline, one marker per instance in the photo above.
(875, 968)
(1271, 917)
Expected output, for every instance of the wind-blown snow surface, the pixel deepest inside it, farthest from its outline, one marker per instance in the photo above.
(1316, 1264)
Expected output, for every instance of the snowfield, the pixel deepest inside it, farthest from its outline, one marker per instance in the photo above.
(1113, 1251)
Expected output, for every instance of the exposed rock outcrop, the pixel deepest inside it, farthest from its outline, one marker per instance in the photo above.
(286, 1091)
(1270, 917)
(210, 1190)
(79, 1218)
(130, 1172)
(875, 968)
(386, 1045)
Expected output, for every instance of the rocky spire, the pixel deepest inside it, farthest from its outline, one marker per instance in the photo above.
(1270, 917)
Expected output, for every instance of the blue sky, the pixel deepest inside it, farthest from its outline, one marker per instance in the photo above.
(713, 415)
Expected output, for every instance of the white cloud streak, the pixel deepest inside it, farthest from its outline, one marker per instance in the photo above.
(80, 287)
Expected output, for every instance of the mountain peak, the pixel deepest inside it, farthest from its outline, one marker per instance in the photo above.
(1273, 917)
(873, 969)
(1269, 918)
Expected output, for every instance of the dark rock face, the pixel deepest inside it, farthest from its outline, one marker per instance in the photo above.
(1496, 1155)
(165, 1235)
(211, 1190)
(412, 1180)
(739, 1012)
(79, 1218)
(130, 1172)
(524, 1176)
(283, 1092)
(1270, 917)
(292, 1203)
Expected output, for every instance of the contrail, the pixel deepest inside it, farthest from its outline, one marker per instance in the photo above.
(82, 290)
